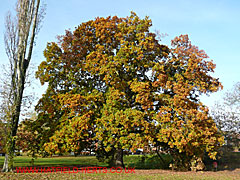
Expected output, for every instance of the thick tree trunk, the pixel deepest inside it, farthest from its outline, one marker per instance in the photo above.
(117, 159)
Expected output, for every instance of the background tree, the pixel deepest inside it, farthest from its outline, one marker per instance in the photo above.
(112, 84)
(7, 101)
(227, 117)
(28, 140)
(5, 106)
(19, 41)
(2, 137)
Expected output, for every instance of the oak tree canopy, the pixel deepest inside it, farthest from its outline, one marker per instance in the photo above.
(114, 87)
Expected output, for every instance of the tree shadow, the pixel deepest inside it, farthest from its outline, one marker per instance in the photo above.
(225, 161)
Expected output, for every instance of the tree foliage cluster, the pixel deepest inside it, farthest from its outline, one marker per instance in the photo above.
(112, 87)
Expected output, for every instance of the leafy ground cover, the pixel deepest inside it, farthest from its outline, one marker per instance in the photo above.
(139, 174)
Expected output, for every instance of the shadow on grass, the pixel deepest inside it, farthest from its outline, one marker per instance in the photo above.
(148, 161)
(227, 161)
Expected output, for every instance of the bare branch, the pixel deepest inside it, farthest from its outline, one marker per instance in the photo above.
(19, 41)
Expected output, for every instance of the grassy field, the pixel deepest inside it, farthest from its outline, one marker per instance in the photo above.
(145, 169)
(137, 161)
(20, 161)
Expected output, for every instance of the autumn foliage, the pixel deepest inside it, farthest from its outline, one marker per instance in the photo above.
(112, 87)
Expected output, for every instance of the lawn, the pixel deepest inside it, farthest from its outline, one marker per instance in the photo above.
(145, 169)
(20, 161)
(137, 161)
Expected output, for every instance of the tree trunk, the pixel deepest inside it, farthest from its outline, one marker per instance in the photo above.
(27, 14)
(117, 159)
(160, 156)
(5, 166)
(8, 163)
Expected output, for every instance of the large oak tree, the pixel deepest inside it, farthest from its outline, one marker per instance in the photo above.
(112, 85)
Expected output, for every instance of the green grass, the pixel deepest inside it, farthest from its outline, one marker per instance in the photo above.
(229, 161)
(137, 161)
(20, 161)
(150, 172)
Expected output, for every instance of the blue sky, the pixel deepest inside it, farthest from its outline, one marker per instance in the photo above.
(213, 26)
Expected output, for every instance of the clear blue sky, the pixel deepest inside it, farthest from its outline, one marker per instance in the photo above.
(213, 25)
